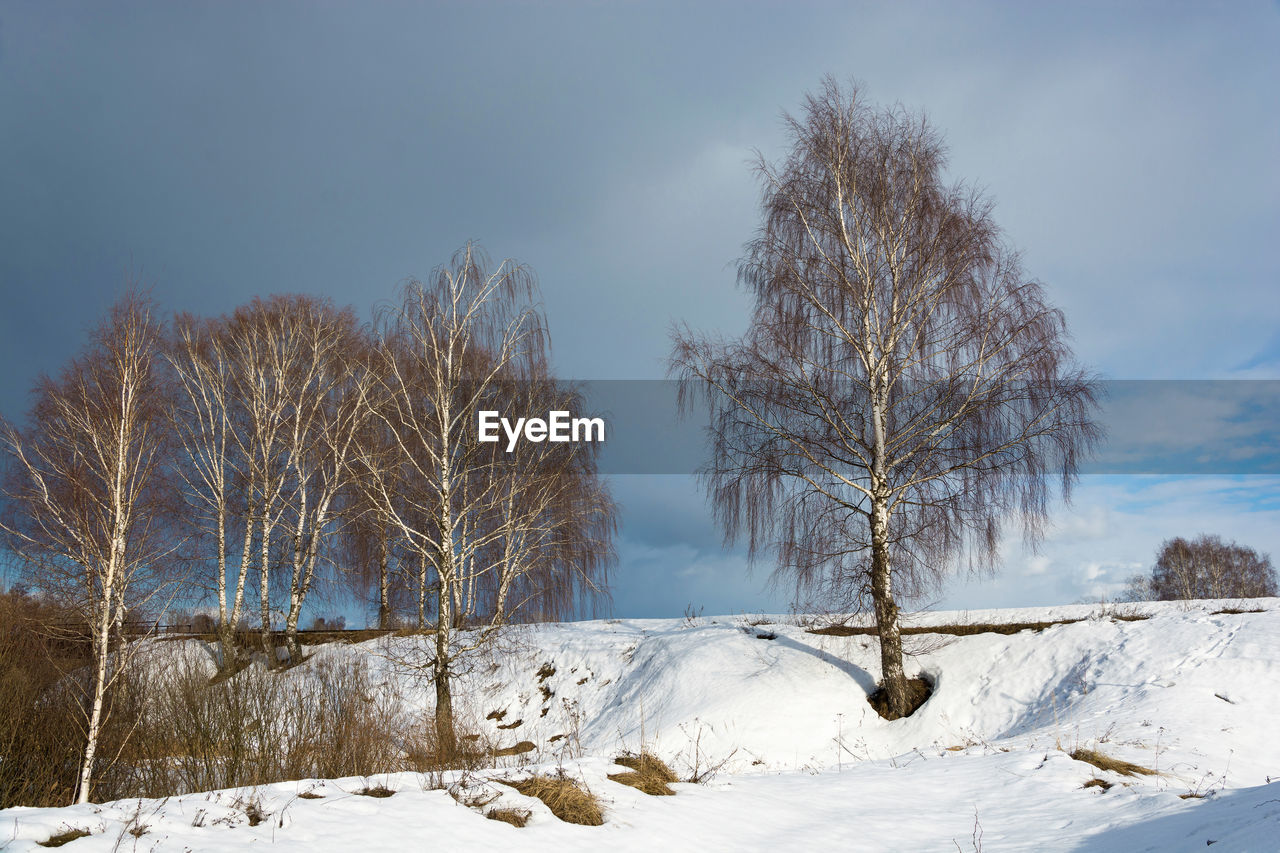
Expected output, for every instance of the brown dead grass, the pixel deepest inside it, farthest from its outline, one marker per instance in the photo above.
(1095, 782)
(953, 630)
(648, 774)
(1115, 765)
(566, 799)
(918, 692)
(66, 836)
(515, 817)
(380, 792)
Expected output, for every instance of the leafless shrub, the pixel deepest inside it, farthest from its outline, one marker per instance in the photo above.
(259, 727)
(702, 767)
(38, 731)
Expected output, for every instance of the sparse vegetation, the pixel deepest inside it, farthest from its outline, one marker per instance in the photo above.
(252, 808)
(954, 629)
(566, 799)
(515, 817)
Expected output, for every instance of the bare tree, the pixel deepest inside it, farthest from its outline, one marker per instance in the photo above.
(903, 390)
(84, 484)
(372, 548)
(207, 422)
(1208, 567)
(328, 408)
(446, 352)
(553, 517)
(1137, 587)
(277, 392)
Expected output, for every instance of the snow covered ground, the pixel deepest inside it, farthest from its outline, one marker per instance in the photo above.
(803, 761)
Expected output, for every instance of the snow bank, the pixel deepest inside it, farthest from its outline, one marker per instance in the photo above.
(803, 759)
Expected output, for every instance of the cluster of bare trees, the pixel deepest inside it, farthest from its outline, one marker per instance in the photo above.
(903, 390)
(243, 458)
(1205, 567)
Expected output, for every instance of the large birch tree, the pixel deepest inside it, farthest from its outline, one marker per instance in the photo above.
(904, 389)
(87, 504)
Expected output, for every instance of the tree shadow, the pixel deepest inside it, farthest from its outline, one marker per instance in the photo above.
(1239, 819)
(857, 673)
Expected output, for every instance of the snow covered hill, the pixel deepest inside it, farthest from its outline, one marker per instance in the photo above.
(800, 759)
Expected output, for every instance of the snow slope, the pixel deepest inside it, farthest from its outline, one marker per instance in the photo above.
(803, 760)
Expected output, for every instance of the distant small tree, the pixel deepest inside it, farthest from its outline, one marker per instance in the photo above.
(1137, 588)
(1208, 567)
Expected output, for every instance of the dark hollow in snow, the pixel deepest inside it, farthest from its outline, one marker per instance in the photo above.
(918, 692)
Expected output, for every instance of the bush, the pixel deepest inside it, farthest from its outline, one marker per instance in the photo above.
(259, 727)
(40, 735)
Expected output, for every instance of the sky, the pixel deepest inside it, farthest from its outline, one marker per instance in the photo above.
(218, 151)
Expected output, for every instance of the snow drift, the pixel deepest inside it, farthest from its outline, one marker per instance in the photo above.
(799, 757)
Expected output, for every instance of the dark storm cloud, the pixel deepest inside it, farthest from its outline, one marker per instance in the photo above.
(224, 150)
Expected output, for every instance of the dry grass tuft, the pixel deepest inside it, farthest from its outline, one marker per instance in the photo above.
(1095, 782)
(379, 791)
(918, 692)
(649, 774)
(564, 797)
(515, 817)
(1115, 765)
(252, 809)
(1233, 611)
(66, 836)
